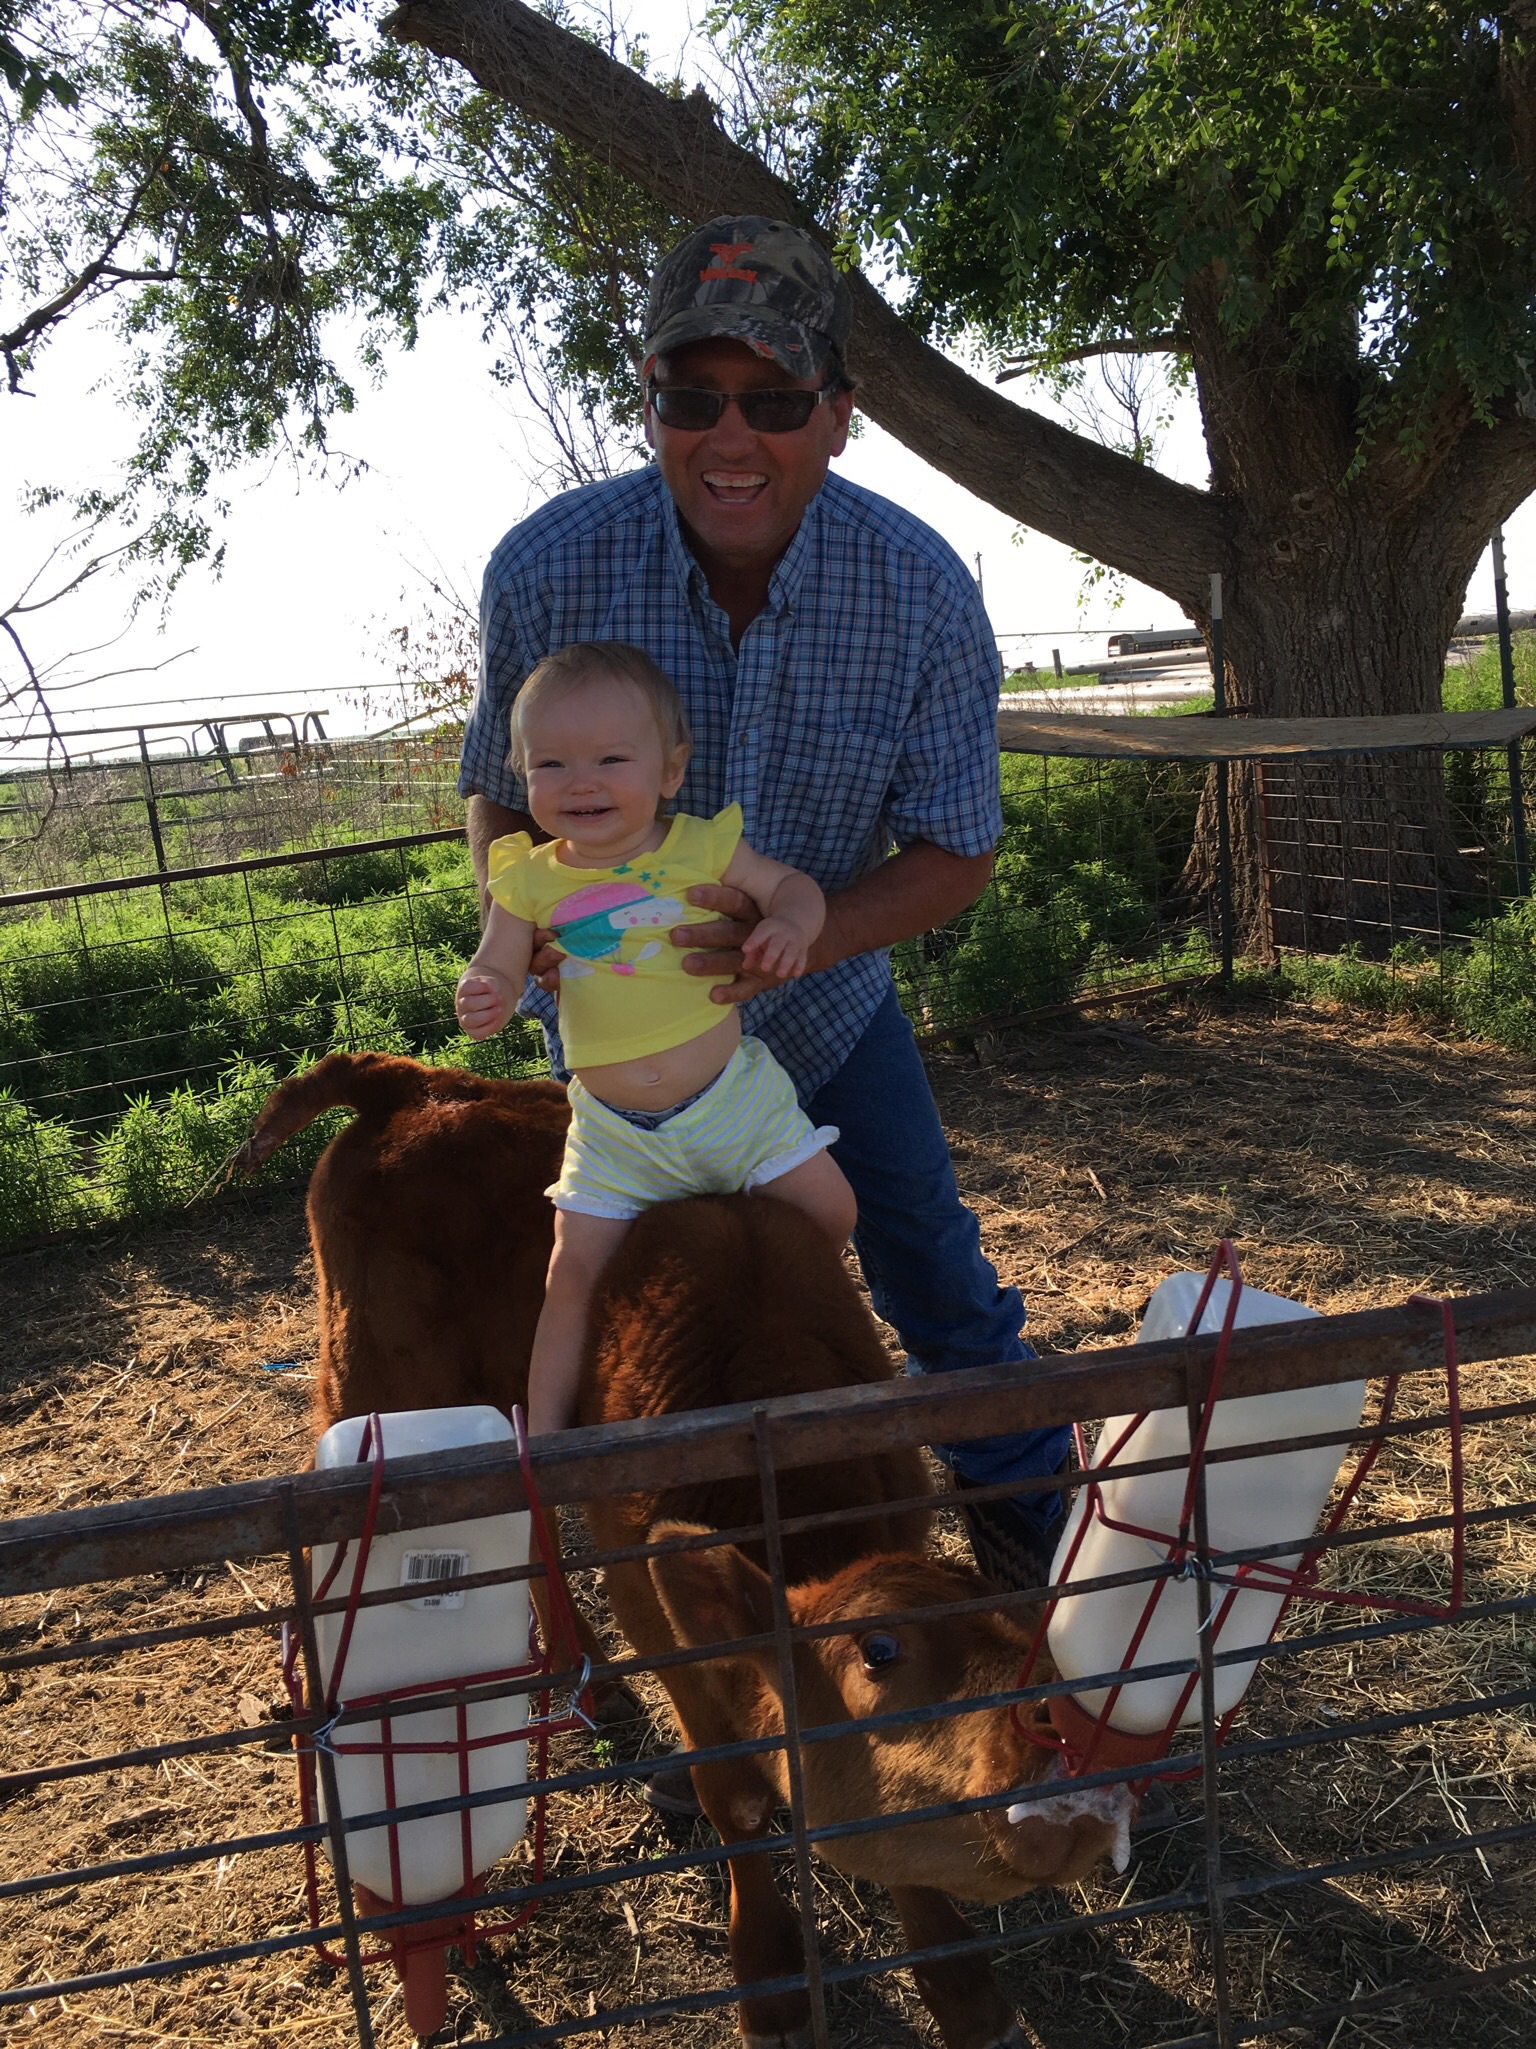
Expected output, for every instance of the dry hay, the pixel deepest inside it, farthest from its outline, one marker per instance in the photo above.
(1353, 1164)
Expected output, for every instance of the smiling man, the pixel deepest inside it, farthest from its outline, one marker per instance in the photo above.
(841, 681)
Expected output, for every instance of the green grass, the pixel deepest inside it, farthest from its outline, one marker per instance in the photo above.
(1047, 679)
(1484, 988)
(1088, 850)
(139, 1033)
(1478, 685)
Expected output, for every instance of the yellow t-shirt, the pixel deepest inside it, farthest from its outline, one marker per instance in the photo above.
(623, 991)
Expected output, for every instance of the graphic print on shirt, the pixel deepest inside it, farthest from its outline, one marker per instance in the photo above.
(590, 924)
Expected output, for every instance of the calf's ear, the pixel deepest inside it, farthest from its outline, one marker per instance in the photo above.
(712, 1596)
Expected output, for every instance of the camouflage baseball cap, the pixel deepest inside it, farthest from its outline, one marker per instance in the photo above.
(755, 280)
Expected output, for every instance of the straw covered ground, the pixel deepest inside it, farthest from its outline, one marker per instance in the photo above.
(1352, 1162)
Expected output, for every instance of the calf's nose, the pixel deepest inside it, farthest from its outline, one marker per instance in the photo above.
(1072, 1822)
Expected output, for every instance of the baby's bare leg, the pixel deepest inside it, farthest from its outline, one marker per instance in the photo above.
(819, 1187)
(583, 1247)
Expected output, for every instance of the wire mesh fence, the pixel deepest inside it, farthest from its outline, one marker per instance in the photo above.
(1356, 1855)
(142, 1023)
(131, 800)
(1402, 882)
(1089, 896)
(144, 1017)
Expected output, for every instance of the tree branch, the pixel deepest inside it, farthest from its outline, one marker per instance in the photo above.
(46, 316)
(55, 738)
(1060, 483)
(1154, 345)
(285, 267)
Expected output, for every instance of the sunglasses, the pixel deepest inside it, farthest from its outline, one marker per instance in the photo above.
(765, 412)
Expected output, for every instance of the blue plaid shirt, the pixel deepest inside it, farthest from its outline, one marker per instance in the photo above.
(860, 711)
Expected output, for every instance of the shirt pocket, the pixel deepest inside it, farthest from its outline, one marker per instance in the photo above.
(830, 788)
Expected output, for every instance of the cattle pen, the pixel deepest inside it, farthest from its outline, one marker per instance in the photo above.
(1295, 1930)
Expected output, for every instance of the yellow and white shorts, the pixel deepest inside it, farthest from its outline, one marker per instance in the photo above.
(744, 1131)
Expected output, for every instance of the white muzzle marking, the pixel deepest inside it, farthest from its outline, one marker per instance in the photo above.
(1113, 1804)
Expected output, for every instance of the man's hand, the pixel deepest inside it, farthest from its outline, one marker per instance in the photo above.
(716, 947)
(545, 965)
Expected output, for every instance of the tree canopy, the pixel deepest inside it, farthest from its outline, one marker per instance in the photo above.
(1348, 183)
(1322, 213)
(259, 196)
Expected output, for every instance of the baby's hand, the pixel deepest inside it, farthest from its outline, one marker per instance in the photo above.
(483, 1003)
(776, 949)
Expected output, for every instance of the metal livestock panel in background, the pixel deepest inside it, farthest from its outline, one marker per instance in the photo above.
(144, 1016)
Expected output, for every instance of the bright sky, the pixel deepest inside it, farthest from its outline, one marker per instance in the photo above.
(316, 574)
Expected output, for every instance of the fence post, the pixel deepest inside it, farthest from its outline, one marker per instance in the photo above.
(150, 805)
(1507, 676)
(805, 1885)
(1223, 788)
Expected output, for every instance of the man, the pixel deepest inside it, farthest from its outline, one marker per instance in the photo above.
(841, 681)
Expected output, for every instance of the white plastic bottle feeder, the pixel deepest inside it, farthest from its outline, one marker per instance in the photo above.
(1122, 1526)
(431, 1643)
(379, 1665)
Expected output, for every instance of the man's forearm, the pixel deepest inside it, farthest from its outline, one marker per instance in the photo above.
(485, 821)
(914, 891)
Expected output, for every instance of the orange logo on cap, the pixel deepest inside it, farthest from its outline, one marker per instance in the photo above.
(727, 252)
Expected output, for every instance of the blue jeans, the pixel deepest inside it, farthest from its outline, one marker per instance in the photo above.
(920, 1247)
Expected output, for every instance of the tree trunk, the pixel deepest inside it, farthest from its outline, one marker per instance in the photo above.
(1339, 603)
(1351, 621)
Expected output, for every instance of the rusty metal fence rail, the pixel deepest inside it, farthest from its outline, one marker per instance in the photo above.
(175, 794)
(1239, 1919)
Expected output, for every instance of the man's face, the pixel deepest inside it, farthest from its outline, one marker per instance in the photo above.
(742, 495)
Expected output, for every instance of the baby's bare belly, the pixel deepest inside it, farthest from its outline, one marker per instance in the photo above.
(659, 1080)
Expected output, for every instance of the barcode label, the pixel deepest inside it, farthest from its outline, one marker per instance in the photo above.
(421, 1568)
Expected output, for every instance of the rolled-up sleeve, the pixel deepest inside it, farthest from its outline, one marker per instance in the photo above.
(945, 788)
(485, 765)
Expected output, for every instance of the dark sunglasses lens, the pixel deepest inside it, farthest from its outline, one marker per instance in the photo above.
(777, 412)
(765, 412)
(693, 411)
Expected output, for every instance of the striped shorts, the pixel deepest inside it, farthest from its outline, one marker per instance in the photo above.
(745, 1130)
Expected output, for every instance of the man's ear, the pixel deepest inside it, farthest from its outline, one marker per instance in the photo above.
(842, 413)
(649, 426)
(713, 1596)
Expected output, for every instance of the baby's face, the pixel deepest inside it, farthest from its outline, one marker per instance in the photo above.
(596, 768)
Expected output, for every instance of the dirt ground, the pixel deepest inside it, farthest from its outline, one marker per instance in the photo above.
(1353, 1163)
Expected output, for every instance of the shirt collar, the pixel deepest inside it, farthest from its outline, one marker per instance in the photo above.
(679, 556)
(789, 572)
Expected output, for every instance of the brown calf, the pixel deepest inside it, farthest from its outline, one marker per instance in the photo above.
(430, 1239)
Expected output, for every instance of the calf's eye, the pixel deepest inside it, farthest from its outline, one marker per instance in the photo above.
(878, 1650)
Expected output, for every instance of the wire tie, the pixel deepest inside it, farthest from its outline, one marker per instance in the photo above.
(573, 1706)
(320, 1739)
(1194, 1567)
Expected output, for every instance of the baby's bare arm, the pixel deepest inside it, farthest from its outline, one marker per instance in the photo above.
(793, 907)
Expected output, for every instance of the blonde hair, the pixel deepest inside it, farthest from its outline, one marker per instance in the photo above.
(601, 661)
